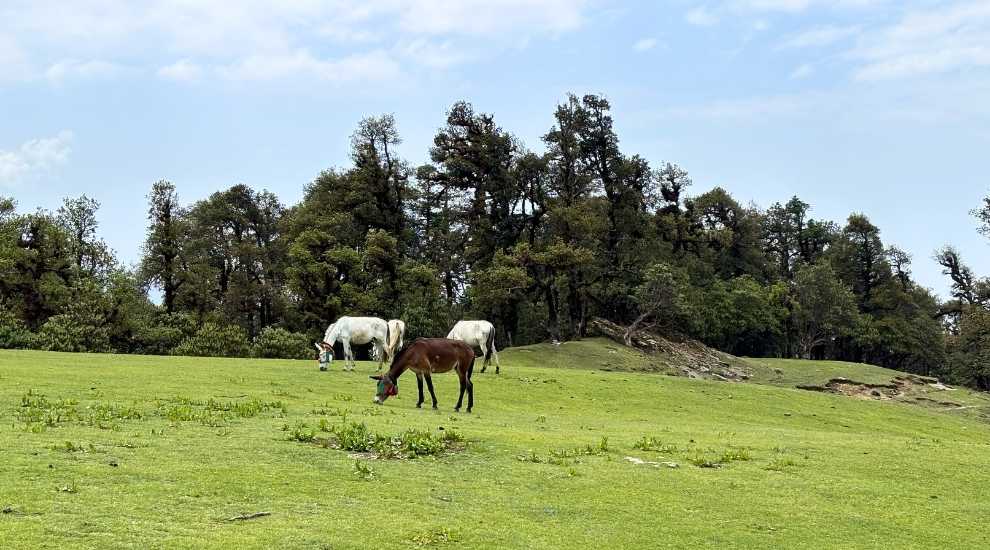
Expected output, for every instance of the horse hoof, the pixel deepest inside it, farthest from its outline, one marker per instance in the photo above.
(419, 405)
(434, 407)
(469, 411)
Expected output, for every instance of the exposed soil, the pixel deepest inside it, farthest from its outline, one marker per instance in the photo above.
(906, 386)
(678, 356)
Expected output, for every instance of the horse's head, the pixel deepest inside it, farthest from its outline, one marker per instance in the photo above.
(386, 387)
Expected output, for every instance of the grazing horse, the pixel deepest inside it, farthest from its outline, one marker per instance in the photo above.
(357, 330)
(424, 357)
(477, 334)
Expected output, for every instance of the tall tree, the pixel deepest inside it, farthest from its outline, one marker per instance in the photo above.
(860, 259)
(162, 264)
(824, 309)
(90, 254)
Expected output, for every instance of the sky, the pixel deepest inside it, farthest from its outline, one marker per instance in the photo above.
(871, 106)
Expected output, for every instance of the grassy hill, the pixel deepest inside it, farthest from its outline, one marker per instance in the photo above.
(132, 451)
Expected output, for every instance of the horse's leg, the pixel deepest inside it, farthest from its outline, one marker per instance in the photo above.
(382, 350)
(463, 380)
(429, 384)
(470, 384)
(419, 384)
(348, 355)
(498, 366)
(484, 353)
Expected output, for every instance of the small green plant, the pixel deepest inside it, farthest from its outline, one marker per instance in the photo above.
(70, 447)
(301, 432)
(70, 487)
(363, 470)
(654, 444)
(711, 458)
(780, 464)
(433, 538)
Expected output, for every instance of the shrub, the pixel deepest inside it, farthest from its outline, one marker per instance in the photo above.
(278, 343)
(165, 333)
(212, 340)
(14, 334)
(66, 333)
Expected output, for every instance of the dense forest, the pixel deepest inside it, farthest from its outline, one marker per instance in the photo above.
(538, 243)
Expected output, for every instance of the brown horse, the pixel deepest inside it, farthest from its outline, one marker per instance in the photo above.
(424, 357)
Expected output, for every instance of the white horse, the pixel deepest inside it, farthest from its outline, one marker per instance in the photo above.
(396, 336)
(477, 334)
(358, 330)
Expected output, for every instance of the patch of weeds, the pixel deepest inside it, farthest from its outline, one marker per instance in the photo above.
(702, 460)
(711, 458)
(342, 397)
(301, 432)
(105, 416)
(38, 413)
(433, 538)
(356, 437)
(364, 470)
(70, 447)
(373, 411)
(562, 457)
(780, 464)
(215, 413)
(542, 419)
(654, 444)
(68, 488)
(326, 410)
(245, 409)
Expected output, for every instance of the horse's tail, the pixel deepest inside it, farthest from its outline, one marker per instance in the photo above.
(490, 345)
(387, 348)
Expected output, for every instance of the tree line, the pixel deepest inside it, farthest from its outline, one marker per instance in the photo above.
(539, 243)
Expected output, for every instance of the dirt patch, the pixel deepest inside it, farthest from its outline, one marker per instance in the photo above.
(678, 356)
(899, 387)
(860, 390)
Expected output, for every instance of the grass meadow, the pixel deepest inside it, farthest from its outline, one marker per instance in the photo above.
(569, 447)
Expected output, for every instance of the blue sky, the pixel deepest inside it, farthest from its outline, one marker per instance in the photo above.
(854, 105)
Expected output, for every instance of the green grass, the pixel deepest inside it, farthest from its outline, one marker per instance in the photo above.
(104, 451)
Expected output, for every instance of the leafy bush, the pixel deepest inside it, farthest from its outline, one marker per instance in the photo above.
(165, 333)
(278, 343)
(14, 334)
(66, 333)
(212, 340)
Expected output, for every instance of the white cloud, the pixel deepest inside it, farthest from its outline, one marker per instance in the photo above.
(263, 37)
(820, 36)
(72, 68)
(489, 17)
(701, 17)
(182, 70)
(376, 65)
(431, 54)
(803, 71)
(645, 44)
(798, 6)
(34, 157)
(926, 42)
